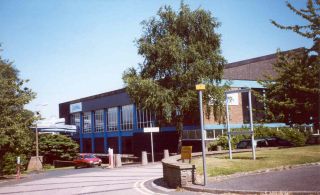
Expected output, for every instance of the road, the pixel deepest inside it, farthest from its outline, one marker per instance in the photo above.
(130, 180)
(126, 180)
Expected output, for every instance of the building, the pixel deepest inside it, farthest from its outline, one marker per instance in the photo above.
(112, 120)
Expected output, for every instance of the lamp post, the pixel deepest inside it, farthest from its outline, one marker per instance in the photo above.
(200, 88)
(38, 161)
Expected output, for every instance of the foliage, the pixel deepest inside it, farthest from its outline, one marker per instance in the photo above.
(57, 147)
(293, 95)
(180, 50)
(16, 137)
(10, 162)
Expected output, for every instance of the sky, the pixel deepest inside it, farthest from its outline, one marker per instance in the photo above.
(69, 49)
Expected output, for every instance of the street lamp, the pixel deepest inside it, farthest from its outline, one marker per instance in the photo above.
(38, 161)
(200, 88)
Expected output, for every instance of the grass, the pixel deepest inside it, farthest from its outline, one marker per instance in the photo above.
(265, 159)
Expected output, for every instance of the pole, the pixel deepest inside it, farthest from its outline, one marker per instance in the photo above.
(251, 127)
(228, 128)
(152, 147)
(37, 143)
(202, 141)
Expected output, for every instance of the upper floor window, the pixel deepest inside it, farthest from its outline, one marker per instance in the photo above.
(75, 119)
(98, 116)
(113, 119)
(127, 117)
(87, 122)
(145, 118)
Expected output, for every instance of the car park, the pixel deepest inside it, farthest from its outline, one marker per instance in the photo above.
(86, 160)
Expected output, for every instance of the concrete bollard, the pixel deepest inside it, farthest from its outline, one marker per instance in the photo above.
(219, 148)
(144, 158)
(166, 154)
(118, 160)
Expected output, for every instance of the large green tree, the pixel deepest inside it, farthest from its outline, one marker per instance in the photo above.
(16, 138)
(293, 95)
(180, 49)
(57, 147)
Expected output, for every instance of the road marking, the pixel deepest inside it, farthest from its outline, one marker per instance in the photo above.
(139, 186)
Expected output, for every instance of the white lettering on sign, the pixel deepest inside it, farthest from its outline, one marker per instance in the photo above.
(233, 99)
(77, 107)
(150, 129)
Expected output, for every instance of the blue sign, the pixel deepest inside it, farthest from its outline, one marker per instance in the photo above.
(77, 107)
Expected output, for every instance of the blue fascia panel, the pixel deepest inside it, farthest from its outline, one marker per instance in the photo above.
(243, 83)
(87, 135)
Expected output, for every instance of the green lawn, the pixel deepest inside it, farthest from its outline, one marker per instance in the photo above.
(242, 162)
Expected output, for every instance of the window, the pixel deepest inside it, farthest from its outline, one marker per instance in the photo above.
(87, 122)
(98, 116)
(127, 118)
(113, 119)
(75, 120)
(145, 118)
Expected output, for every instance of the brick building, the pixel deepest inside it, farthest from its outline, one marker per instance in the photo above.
(112, 120)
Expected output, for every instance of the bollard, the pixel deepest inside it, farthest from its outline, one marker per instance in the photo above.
(110, 152)
(118, 160)
(144, 158)
(166, 154)
(219, 148)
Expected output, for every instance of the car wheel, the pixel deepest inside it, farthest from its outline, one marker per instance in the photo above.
(76, 167)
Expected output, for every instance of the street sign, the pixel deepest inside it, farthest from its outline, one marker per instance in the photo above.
(151, 129)
(200, 87)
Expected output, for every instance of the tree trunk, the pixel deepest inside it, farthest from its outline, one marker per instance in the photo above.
(179, 128)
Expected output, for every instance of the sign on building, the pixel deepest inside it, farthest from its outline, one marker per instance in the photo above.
(233, 99)
(77, 107)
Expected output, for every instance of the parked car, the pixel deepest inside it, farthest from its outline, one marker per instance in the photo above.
(86, 160)
(276, 141)
(245, 144)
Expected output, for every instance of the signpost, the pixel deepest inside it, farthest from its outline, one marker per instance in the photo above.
(200, 88)
(151, 130)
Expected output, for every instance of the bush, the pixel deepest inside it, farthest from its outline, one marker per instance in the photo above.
(57, 147)
(10, 163)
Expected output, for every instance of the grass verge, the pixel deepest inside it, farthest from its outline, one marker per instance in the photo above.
(242, 162)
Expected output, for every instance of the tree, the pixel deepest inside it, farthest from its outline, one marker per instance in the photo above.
(57, 147)
(293, 95)
(15, 135)
(180, 49)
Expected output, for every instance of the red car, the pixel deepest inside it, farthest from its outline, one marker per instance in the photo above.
(86, 160)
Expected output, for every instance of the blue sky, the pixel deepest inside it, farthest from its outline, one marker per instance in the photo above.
(70, 49)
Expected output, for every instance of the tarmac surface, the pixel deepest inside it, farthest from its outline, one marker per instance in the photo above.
(139, 179)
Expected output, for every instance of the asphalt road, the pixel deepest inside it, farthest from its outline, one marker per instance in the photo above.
(133, 180)
(304, 179)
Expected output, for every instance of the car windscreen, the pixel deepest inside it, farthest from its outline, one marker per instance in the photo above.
(89, 156)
